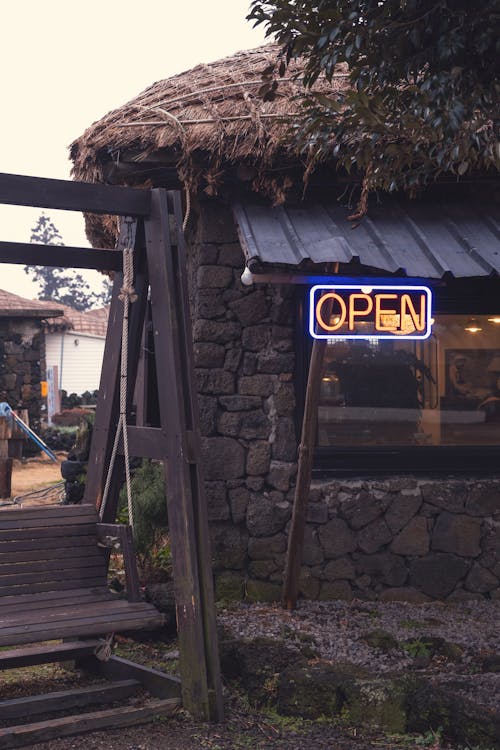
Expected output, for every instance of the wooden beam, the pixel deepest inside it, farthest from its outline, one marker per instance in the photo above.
(27, 657)
(159, 684)
(21, 190)
(62, 700)
(42, 731)
(56, 256)
(147, 442)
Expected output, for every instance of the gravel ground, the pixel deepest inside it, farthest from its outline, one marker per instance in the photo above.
(336, 631)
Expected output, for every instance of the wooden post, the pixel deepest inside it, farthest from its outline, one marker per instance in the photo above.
(5, 461)
(199, 665)
(304, 472)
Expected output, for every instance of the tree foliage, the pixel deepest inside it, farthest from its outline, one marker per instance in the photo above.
(424, 84)
(62, 284)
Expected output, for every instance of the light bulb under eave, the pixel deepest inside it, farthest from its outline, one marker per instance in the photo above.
(495, 319)
(473, 326)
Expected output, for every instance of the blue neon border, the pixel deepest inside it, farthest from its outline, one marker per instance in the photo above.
(393, 336)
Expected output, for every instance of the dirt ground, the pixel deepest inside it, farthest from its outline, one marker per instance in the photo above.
(35, 474)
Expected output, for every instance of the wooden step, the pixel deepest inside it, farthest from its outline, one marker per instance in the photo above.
(44, 654)
(41, 731)
(64, 700)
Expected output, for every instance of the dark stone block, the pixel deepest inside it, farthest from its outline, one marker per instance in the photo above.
(414, 539)
(229, 423)
(265, 548)
(223, 458)
(229, 546)
(208, 355)
(240, 403)
(336, 538)
(214, 381)
(209, 277)
(256, 385)
(282, 338)
(207, 255)
(232, 359)
(265, 517)
(312, 552)
(342, 568)
(383, 567)
(280, 474)
(238, 500)
(285, 442)
(217, 506)
(209, 304)
(232, 255)
(458, 534)
(438, 574)
(480, 580)
(250, 309)
(374, 536)
(220, 332)
(254, 425)
(404, 506)
(262, 569)
(258, 458)
(249, 364)
(450, 496)
(284, 399)
(361, 509)
(207, 407)
(483, 499)
(317, 512)
(256, 338)
(274, 362)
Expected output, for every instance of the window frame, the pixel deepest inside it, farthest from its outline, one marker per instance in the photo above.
(470, 296)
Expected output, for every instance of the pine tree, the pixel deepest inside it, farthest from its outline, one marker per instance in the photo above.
(62, 284)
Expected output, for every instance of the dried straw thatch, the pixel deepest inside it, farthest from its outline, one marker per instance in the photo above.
(200, 124)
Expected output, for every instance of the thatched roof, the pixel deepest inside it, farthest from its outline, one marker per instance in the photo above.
(199, 124)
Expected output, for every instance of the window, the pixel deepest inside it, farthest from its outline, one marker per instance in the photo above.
(406, 405)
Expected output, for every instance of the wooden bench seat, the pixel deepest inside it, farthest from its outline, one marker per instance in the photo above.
(53, 577)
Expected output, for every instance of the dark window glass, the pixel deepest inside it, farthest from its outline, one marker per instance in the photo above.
(444, 391)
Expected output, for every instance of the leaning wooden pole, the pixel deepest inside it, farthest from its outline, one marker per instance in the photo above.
(302, 488)
(304, 473)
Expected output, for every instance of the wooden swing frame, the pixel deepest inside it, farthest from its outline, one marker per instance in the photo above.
(160, 271)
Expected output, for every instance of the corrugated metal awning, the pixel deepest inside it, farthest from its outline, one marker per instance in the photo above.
(413, 238)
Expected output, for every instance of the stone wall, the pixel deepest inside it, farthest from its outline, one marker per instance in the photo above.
(400, 537)
(396, 538)
(21, 365)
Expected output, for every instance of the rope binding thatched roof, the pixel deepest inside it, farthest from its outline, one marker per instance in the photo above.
(199, 124)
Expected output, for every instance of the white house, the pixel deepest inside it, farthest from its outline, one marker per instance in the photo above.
(74, 344)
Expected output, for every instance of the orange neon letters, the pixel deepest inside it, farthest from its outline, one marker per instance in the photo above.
(387, 311)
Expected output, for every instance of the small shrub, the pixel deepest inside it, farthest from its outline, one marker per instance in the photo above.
(150, 518)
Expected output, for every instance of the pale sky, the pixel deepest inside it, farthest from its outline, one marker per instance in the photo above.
(66, 64)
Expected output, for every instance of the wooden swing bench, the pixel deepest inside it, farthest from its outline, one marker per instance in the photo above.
(54, 593)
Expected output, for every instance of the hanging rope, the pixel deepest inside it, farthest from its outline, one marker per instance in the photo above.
(127, 296)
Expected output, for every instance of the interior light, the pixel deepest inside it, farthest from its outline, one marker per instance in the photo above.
(473, 326)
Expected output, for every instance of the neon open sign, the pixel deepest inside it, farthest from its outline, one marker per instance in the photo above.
(383, 311)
